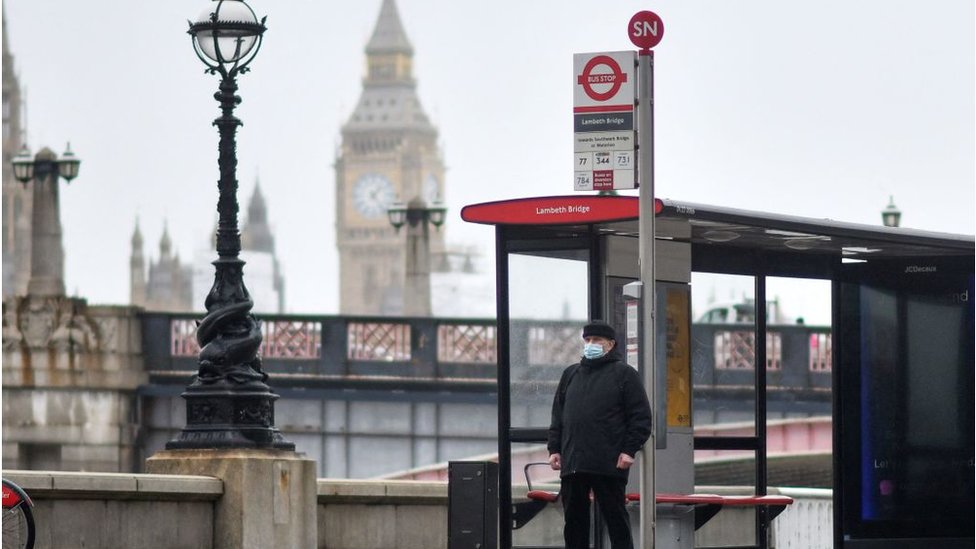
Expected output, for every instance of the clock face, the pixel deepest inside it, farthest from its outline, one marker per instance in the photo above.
(431, 190)
(372, 195)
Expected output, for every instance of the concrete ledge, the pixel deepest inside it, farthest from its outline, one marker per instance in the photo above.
(116, 486)
(399, 492)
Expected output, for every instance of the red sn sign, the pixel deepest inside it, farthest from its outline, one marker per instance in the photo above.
(645, 29)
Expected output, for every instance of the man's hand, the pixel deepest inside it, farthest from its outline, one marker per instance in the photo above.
(556, 462)
(623, 461)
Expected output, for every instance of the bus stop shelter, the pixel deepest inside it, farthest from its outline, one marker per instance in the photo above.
(902, 358)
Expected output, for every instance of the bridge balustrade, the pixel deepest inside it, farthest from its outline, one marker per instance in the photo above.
(300, 347)
(797, 356)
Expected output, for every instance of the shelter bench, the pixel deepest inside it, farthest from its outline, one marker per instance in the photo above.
(705, 506)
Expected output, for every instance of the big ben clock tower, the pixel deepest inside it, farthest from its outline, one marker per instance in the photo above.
(389, 154)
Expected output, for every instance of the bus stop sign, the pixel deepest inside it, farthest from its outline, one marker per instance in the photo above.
(645, 29)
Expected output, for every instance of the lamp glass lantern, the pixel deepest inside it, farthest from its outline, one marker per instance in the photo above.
(226, 37)
(23, 165)
(891, 215)
(437, 213)
(397, 214)
(68, 164)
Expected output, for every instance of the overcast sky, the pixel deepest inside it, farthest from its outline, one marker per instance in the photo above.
(821, 109)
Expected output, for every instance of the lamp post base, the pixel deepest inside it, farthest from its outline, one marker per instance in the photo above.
(221, 416)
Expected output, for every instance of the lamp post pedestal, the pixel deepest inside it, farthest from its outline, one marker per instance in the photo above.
(416, 287)
(416, 284)
(47, 252)
(269, 497)
(46, 277)
(227, 415)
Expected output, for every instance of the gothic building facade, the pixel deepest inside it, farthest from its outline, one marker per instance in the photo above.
(17, 199)
(169, 284)
(389, 153)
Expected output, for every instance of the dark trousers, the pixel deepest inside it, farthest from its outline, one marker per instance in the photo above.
(609, 493)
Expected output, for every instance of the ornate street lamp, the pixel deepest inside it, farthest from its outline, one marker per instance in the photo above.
(47, 254)
(418, 216)
(228, 404)
(891, 215)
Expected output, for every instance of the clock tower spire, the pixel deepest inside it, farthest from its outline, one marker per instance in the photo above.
(389, 153)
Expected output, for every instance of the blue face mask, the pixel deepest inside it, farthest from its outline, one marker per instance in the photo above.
(593, 350)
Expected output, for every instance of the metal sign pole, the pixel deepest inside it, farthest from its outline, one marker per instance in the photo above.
(645, 30)
(645, 105)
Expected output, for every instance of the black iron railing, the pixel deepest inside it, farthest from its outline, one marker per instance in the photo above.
(797, 356)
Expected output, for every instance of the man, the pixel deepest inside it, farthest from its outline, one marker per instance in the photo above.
(600, 419)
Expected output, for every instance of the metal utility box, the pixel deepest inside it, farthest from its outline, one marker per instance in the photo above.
(472, 505)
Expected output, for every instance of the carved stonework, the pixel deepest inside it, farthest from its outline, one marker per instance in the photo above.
(36, 318)
(108, 330)
(44, 335)
(59, 323)
(58, 342)
(75, 331)
(12, 336)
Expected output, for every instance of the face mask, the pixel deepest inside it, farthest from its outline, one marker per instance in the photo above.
(593, 350)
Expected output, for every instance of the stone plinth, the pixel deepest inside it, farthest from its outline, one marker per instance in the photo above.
(269, 495)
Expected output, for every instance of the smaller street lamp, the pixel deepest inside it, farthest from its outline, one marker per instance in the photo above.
(47, 252)
(891, 215)
(418, 217)
(415, 212)
(44, 164)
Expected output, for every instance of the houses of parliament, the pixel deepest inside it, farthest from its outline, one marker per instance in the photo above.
(389, 153)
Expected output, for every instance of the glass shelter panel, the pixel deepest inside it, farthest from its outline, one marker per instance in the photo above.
(799, 358)
(535, 523)
(548, 307)
(723, 351)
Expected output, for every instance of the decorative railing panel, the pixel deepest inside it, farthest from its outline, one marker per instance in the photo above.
(774, 351)
(820, 352)
(554, 344)
(300, 339)
(379, 341)
(466, 343)
(736, 350)
(281, 339)
(183, 337)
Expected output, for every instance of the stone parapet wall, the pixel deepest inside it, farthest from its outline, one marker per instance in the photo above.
(364, 514)
(120, 511)
(99, 510)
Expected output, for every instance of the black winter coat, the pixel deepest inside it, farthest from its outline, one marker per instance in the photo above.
(600, 410)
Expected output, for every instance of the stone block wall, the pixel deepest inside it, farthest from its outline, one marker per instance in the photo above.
(70, 374)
